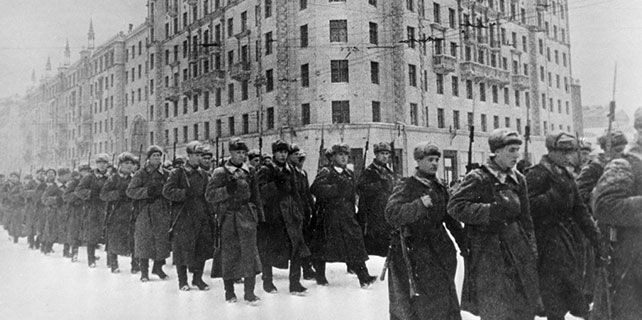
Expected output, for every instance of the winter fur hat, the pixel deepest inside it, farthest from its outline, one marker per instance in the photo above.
(425, 149)
(617, 139)
(194, 147)
(154, 149)
(237, 144)
(382, 146)
(502, 137)
(126, 156)
(102, 157)
(280, 145)
(340, 148)
(562, 141)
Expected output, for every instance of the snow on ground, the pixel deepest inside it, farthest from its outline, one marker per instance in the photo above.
(34, 286)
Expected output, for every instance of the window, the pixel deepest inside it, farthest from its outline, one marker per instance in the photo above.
(268, 8)
(559, 106)
(455, 86)
(495, 93)
(440, 83)
(196, 131)
(230, 27)
(305, 75)
(436, 10)
(175, 108)
(441, 123)
(270, 118)
(469, 89)
(206, 100)
(341, 111)
(338, 31)
(374, 33)
(184, 105)
(303, 34)
(471, 119)
(372, 2)
(543, 101)
(414, 117)
(206, 130)
(506, 96)
(218, 97)
(230, 126)
(411, 37)
(219, 127)
(495, 122)
(269, 85)
(268, 43)
(456, 119)
(452, 18)
(339, 70)
(517, 98)
(376, 111)
(484, 127)
(412, 75)
(303, 4)
(305, 113)
(246, 124)
(374, 72)
(482, 91)
(230, 93)
(244, 90)
(151, 113)
(185, 137)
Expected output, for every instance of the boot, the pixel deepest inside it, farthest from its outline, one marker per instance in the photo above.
(113, 259)
(198, 282)
(181, 271)
(268, 285)
(319, 269)
(31, 242)
(295, 276)
(144, 270)
(229, 291)
(365, 279)
(74, 254)
(91, 255)
(248, 288)
(65, 251)
(135, 265)
(158, 269)
(308, 272)
(15, 239)
(37, 243)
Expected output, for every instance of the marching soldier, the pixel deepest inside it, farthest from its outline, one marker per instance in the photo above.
(64, 175)
(254, 158)
(14, 206)
(88, 190)
(560, 220)
(36, 220)
(618, 199)
(296, 157)
(192, 242)
(337, 235)
(152, 219)
(422, 258)
(52, 199)
(233, 191)
(206, 160)
(281, 235)
(374, 188)
(119, 212)
(500, 249)
(75, 210)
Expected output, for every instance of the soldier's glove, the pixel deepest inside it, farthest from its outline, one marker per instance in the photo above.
(154, 191)
(426, 201)
(231, 185)
(504, 209)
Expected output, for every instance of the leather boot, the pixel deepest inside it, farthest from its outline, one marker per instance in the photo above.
(65, 251)
(198, 282)
(135, 265)
(181, 271)
(230, 296)
(113, 261)
(248, 289)
(365, 279)
(268, 285)
(74, 254)
(295, 277)
(144, 270)
(319, 269)
(158, 269)
(91, 255)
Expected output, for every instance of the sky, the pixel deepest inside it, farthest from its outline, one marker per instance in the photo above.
(602, 32)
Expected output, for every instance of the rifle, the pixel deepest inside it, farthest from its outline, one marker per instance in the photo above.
(180, 212)
(386, 263)
(609, 140)
(471, 138)
(222, 155)
(140, 154)
(174, 159)
(406, 260)
(365, 151)
(527, 138)
(217, 159)
(89, 160)
(321, 149)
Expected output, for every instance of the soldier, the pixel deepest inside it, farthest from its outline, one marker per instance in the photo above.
(337, 236)
(15, 206)
(417, 208)
(233, 191)
(206, 159)
(88, 190)
(36, 220)
(560, 220)
(500, 249)
(281, 235)
(192, 242)
(296, 157)
(254, 158)
(64, 175)
(119, 212)
(586, 147)
(75, 209)
(52, 200)
(617, 203)
(374, 188)
(152, 218)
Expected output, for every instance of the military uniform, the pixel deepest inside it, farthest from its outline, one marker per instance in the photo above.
(74, 216)
(52, 200)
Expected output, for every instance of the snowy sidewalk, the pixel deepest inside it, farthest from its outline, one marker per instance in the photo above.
(34, 286)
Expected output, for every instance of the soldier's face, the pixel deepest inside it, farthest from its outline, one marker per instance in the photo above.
(238, 156)
(155, 158)
(127, 167)
(194, 159)
(340, 159)
(13, 178)
(255, 161)
(428, 165)
(383, 157)
(102, 166)
(206, 160)
(51, 175)
(280, 156)
(617, 151)
(507, 156)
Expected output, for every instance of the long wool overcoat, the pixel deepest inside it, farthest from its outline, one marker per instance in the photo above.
(53, 213)
(238, 214)
(73, 234)
(374, 188)
(118, 231)
(94, 208)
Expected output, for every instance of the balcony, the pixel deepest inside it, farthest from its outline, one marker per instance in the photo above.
(444, 64)
(478, 72)
(170, 93)
(499, 76)
(240, 71)
(495, 45)
(244, 33)
(207, 81)
(192, 2)
(172, 11)
(521, 82)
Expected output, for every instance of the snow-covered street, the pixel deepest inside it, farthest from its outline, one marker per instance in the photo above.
(34, 286)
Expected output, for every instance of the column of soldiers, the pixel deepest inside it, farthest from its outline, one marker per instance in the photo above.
(560, 238)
